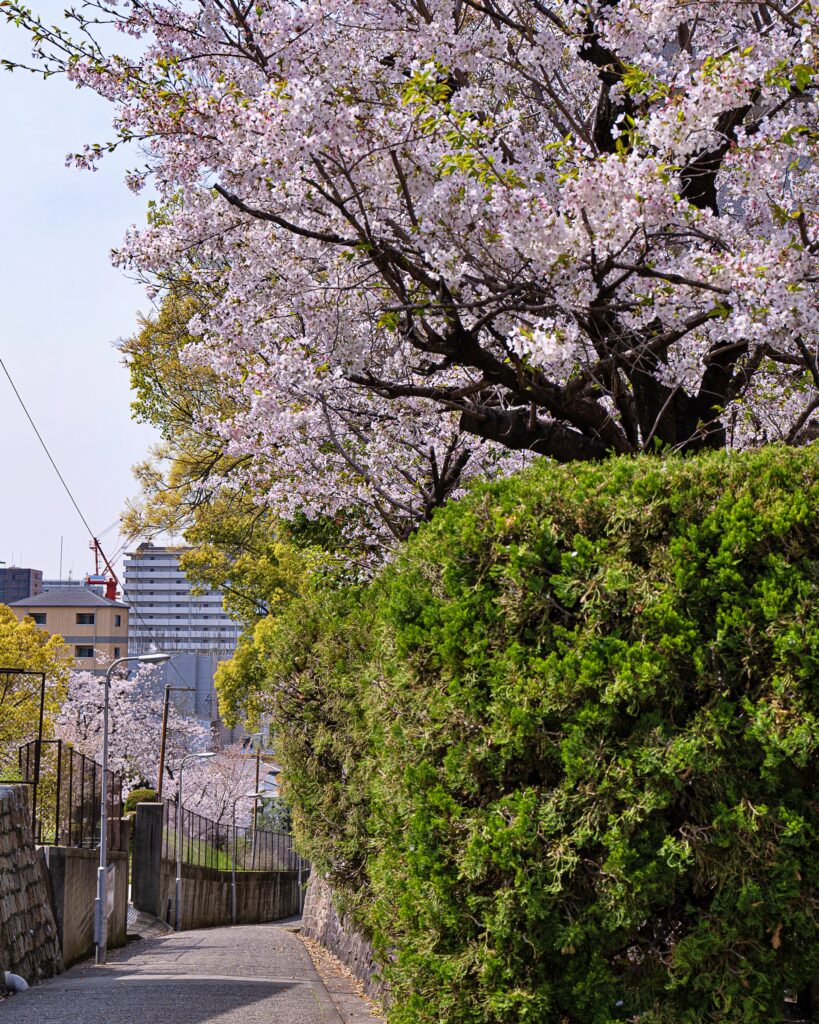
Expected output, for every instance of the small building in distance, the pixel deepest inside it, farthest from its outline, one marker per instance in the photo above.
(17, 583)
(92, 626)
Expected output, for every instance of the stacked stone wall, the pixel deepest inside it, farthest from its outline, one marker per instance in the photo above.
(28, 934)
(322, 923)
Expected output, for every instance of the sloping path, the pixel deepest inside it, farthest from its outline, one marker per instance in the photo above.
(259, 974)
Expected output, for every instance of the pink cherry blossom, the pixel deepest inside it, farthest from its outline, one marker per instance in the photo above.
(135, 723)
(440, 236)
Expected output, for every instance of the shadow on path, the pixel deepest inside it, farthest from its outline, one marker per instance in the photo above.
(258, 974)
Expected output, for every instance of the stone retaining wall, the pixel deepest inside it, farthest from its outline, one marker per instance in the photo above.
(321, 922)
(29, 944)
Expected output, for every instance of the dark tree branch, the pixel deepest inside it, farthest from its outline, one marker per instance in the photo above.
(513, 429)
(296, 229)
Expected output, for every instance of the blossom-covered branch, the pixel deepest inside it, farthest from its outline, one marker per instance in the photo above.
(436, 226)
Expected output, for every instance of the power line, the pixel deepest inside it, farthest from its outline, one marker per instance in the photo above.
(45, 448)
(79, 510)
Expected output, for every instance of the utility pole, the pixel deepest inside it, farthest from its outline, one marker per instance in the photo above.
(164, 735)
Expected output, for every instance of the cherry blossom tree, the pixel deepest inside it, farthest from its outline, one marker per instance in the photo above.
(435, 232)
(213, 786)
(372, 486)
(135, 724)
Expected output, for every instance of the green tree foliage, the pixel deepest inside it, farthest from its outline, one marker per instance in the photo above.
(237, 546)
(24, 646)
(175, 398)
(259, 584)
(274, 815)
(312, 662)
(560, 759)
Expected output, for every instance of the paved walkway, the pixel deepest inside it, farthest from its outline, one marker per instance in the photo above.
(260, 974)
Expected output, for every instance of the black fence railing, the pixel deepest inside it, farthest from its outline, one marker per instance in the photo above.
(68, 796)
(212, 844)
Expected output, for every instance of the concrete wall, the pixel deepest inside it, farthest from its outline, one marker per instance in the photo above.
(260, 895)
(146, 854)
(28, 932)
(73, 875)
(322, 923)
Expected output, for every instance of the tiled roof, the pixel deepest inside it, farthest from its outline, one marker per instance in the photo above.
(75, 597)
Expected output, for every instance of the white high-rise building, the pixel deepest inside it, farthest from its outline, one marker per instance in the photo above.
(166, 615)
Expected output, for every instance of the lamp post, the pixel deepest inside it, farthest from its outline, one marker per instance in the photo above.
(100, 916)
(180, 833)
(245, 796)
(164, 734)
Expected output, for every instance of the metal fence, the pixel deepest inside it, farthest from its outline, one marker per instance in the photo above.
(213, 844)
(67, 791)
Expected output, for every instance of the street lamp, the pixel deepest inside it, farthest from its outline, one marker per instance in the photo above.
(180, 832)
(245, 796)
(100, 915)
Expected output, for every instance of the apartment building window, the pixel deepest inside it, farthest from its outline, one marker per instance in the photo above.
(117, 620)
(39, 618)
(85, 619)
(116, 649)
(83, 652)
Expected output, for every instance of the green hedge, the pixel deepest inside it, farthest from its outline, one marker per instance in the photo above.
(561, 758)
(139, 796)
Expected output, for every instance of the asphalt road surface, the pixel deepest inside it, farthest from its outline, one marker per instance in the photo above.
(258, 974)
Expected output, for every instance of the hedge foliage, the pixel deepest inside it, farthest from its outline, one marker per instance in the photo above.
(560, 758)
(139, 796)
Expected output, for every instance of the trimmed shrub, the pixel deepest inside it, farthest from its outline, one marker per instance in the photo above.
(139, 796)
(561, 757)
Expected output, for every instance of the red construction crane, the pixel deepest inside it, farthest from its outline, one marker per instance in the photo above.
(109, 581)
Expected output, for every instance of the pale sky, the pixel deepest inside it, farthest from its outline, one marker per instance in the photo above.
(63, 307)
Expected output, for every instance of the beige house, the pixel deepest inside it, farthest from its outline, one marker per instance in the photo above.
(92, 626)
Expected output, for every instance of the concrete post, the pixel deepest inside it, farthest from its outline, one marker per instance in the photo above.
(146, 867)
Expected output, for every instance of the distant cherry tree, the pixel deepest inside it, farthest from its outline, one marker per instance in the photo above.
(135, 724)
(212, 787)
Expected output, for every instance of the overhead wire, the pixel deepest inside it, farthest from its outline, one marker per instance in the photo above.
(45, 448)
(79, 511)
